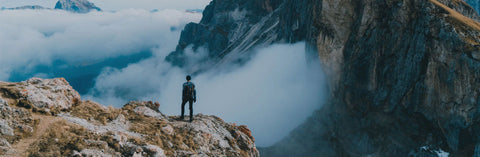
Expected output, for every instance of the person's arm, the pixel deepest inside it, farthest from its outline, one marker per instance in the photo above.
(183, 91)
(194, 93)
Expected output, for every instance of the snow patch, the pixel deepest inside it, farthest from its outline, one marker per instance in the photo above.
(442, 153)
(439, 152)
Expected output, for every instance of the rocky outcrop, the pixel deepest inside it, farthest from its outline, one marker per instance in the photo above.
(403, 75)
(15, 123)
(47, 118)
(51, 96)
(77, 6)
(227, 30)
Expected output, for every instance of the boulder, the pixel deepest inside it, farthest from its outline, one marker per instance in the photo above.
(48, 95)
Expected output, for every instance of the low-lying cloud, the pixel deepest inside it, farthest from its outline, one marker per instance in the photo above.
(115, 5)
(121, 57)
(150, 4)
(52, 39)
(273, 93)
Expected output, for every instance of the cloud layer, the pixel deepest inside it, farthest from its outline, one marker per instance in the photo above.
(121, 57)
(150, 4)
(47, 38)
(115, 5)
(273, 93)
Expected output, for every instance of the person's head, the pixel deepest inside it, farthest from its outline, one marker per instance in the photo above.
(189, 78)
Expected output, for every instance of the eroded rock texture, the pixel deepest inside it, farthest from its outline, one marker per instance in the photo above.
(403, 74)
(45, 117)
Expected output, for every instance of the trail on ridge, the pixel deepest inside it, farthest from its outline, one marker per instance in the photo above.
(41, 128)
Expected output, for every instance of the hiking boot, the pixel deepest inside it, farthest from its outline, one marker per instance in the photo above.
(191, 119)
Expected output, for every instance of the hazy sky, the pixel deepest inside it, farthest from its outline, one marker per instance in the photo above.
(110, 5)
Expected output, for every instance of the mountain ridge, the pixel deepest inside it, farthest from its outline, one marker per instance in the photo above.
(76, 6)
(46, 117)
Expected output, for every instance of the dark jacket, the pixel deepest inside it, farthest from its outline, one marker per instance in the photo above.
(189, 92)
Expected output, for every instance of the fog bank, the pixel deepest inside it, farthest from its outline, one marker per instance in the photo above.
(116, 5)
(272, 94)
(55, 43)
(116, 57)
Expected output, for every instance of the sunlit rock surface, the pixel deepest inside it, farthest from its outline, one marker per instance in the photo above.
(45, 117)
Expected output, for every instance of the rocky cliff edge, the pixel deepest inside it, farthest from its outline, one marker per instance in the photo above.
(46, 117)
(403, 75)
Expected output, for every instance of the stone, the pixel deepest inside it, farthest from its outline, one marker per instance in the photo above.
(3, 102)
(76, 154)
(4, 143)
(148, 112)
(48, 94)
(155, 150)
(94, 152)
(136, 151)
(168, 130)
(5, 129)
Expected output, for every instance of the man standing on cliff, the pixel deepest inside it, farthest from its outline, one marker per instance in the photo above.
(189, 95)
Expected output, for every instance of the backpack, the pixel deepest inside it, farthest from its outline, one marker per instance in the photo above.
(188, 89)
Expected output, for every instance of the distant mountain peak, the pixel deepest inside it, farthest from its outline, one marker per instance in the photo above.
(27, 7)
(77, 6)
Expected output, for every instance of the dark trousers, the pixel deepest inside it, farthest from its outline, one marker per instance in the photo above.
(190, 102)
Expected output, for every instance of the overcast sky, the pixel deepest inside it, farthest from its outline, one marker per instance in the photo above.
(113, 5)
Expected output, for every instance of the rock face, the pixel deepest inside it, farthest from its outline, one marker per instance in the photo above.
(404, 75)
(227, 30)
(47, 118)
(77, 6)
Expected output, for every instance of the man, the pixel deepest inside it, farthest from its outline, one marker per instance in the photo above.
(189, 95)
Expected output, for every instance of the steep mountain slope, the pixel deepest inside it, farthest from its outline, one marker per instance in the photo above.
(231, 28)
(404, 75)
(78, 6)
(47, 118)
